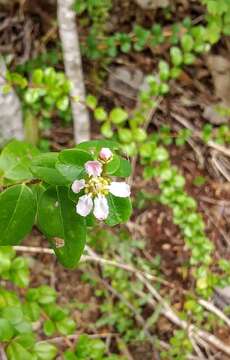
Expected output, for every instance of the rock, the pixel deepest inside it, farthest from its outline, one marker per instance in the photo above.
(125, 81)
(152, 4)
(219, 67)
(222, 297)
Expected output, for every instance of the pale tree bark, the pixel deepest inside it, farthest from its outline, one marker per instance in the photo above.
(73, 68)
(11, 123)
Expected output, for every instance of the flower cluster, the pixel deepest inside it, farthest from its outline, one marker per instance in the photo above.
(97, 186)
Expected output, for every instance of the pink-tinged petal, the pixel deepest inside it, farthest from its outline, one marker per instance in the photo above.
(78, 185)
(84, 205)
(120, 189)
(105, 154)
(101, 208)
(93, 168)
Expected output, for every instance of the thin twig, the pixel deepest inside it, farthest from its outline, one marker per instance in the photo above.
(171, 315)
(75, 337)
(197, 133)
(93, 257)
(33, 249)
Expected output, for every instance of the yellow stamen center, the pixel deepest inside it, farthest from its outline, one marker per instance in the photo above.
(97, 186)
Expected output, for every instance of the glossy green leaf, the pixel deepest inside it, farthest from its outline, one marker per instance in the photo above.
(96, 145)
(13, 314)
(32, 310)
(43, 168)
(49, 327)
(16, 351)
(124, 170)
(125, 135)
(100, 114)
(66, 326)
(63, 223)
(26, 340)
(6, 330)
(118, 116)
(15, 160)
(45, 351)
(112, 166)
(71, 163)
(120, 210)
(106, 130)
(17, 214)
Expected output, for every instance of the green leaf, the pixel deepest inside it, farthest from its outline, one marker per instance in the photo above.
(45, 351)
(26, 340)
(124, 170)
(120, 210)
(187, 42)
(176, 56)
(164, 70)
(91, 102)
(69, 355)
(139, 134)
(17, 214)
(7, 253)
(46, 295)
(19, 272)
(189, 58)
(37, 76)
(118, 116)
(113, 165)
(66, 326)
(13, 314)
(43, 168)
(32, 310)
(100, 114)
(16, 351)
(49, 327)
(63, 223)
(63, 103)
(24, 327)
(96, 145)
(160, 154)
(106, 130)
(15, 160)
(125, 135)
(6, 330)
(71, 163)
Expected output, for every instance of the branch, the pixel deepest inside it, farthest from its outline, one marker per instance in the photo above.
(73, 68)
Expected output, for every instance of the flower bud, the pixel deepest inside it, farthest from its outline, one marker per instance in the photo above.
(105, 154)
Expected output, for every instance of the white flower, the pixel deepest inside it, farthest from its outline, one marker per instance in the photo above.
(96, 190)
(105, 154)
(97, 187)
(78, 185)
(101, 207)
(84, 205)
(119, 189)
(93, 168)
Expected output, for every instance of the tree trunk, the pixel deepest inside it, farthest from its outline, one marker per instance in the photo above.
(11, 125)
(73, 68)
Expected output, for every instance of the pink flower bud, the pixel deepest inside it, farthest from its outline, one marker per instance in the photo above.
(105, 154)
(93, 168)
